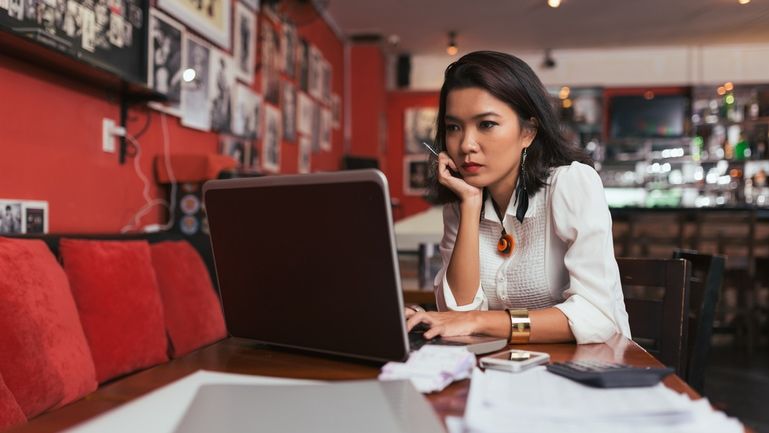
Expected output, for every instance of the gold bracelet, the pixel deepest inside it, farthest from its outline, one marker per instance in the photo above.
(520, 326)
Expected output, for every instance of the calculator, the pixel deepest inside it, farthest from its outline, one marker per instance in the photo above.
(601, 374)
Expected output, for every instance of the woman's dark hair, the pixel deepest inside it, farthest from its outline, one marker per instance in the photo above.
(512, 81)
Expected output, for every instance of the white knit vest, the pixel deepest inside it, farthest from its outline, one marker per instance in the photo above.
(520, 280)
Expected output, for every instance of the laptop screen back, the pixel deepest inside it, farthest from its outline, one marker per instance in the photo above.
(309, 262)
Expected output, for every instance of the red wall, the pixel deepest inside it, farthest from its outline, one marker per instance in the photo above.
(50, 144)
(397, 103)
(368, 102)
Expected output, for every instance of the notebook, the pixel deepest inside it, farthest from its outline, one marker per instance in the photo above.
(351, 406)
(309, 262)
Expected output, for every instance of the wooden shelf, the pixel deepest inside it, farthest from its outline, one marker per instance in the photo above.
(89, 73)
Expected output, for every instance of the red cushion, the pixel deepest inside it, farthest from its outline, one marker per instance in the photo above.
(119, 303)
(192, 311)
(44, 358)
(10, 412)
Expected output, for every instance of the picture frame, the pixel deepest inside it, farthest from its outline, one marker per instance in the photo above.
(244, 50)
(306, 109)
(288, 105)
(165, 59)
(271, 145)
(235, 147)
(415, 175)
(209, 18)
(419, 124)
(305, 154)
(23, 216)
(196, 105)
(270, 58)
(222, 88)
(252, 4)
(247, 107)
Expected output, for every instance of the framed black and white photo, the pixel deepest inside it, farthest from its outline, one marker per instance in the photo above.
(415, 174)
(305, 153)
(288, 48)
(306, 110)
(222, 86)
(196, 108)
(315, 73)
(270, 67)
(165, 60)
(253, 4)
(303, 64)
(209, 18)
(247, 111)
(272, 139)
(316, 128)
(325, 129)
(336, 111)
(244, 50)
(288, 106)
(419, 125)
(11, 221)
(34, 216)
(235, 147)
(23, 216)
(327, 74)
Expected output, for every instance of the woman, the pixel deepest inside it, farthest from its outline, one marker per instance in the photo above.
(527, 247)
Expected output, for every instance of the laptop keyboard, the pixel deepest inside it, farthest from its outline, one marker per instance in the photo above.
(417, 340)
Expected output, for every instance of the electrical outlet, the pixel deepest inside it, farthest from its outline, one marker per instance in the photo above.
(107, 135)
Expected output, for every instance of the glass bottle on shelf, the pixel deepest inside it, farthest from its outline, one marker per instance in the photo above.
(742, 148)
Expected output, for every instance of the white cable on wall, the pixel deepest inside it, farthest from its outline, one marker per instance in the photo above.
(149, 202)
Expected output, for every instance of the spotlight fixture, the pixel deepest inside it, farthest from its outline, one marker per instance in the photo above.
(555, 3)
(548, 62)
(452, 49)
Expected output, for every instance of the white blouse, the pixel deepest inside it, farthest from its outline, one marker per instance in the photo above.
(563, 257)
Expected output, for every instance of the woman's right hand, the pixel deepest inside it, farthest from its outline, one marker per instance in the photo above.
(457, 185)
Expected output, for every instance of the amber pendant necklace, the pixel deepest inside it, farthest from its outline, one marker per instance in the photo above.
(506, 243)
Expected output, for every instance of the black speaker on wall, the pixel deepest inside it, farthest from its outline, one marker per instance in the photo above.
(403, 71)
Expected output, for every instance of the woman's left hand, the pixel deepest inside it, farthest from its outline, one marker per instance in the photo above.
(446, 323)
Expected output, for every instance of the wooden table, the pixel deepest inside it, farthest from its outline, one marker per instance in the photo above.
(242, 356)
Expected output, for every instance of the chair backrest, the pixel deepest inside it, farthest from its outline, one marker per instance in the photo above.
(704, 289)
(658, 312)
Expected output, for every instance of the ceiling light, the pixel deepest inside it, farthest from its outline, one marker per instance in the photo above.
(556, 3)
(743, 2)
(452, 49)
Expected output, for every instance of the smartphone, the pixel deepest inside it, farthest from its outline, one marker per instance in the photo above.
(514, 360)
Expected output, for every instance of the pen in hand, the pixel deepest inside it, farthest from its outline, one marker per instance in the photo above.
(434, 152)
(430, 148)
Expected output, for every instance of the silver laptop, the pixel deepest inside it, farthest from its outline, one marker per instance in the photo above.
(309, 262)
(352, 406)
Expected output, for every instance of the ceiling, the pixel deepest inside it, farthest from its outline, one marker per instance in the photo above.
(422, 26)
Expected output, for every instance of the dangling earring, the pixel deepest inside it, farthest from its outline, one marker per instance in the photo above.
(521, 193)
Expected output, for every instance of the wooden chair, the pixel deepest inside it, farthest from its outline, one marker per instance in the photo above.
(704, 289)
(658, 318)
(732, 234)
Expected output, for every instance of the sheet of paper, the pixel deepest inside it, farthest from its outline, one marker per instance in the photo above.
(537, 400)
(161, 410)
(432, 367)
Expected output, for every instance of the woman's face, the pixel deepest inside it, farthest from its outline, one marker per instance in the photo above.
(484, 137)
